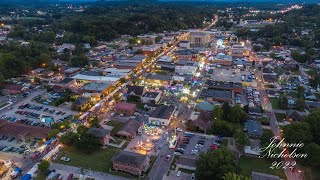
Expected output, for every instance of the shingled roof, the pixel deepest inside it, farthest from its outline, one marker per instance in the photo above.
(129, 158)
(98, 132)
(16, 129)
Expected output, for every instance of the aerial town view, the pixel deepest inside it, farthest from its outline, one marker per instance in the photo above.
(159, 90)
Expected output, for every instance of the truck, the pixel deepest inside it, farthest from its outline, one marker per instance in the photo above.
(16, 172)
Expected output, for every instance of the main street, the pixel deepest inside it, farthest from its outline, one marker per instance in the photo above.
(274, 124)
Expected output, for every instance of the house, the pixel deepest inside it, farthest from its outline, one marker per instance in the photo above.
(253, 128)
(81, 103)
(130, 129)
(22, 131)
(293, 115)
(102, 134)
(66, 83)
(263, 176)
(151, 106)
(203, 122)
(162, 115)
(125, 108)
(130, 162)
(151, 97)
(135, 90)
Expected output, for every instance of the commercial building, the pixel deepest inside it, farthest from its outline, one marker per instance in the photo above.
(235, 87)
(185, 67)
(151, 50)
(217, 95)
(97, 87)
(22, 131)
(222, 59)
(239, 51)
(184, 44)
(199, 38)
(186, 54)
(162, 115)
(158, 80)
(130, 162)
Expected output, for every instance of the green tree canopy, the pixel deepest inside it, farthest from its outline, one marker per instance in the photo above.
(215, 164)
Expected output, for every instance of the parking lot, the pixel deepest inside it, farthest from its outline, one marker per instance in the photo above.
(196, 144)
(232, 75)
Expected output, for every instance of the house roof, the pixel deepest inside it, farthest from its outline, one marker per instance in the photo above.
(129, 158)
(151, 94)
(205, 106)
(163, 112)
(159, 77)
(187, 161)
(253, 127)
(98, 132)
(66, 81)
(81, 100)
(13, 87)
(137, 90)
(294, 115)
(131, 127)
(125, 106)
(16, 129)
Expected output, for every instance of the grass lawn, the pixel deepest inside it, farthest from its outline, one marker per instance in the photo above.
(280, 116)
(274, 103)
(311, 173)
(116, 126)
(248, 164)
(99, 160)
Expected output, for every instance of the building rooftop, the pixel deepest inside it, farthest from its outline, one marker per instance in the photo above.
(126, 106)
(253, 127)
(159, 77)
(216, 93)
(151, 94)
(96, 86)
(23, 130)
(222, 84)
(95, 78)
(137, 90)
(163, 112)
(98, 132)
(127, 157)
(66, 80)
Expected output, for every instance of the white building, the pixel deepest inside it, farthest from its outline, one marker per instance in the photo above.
(162, 115)
(187, 68)
(151, 97)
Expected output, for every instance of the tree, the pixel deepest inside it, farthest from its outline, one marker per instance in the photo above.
(241, 139)
(300, 104)
(82, 129)
(43, 166)
(300, 92)
(297, 132)
(214, 164)
(265, 137)
(237, 115)
(222, 128)
(69, 138)
(313, 120)
(122, 80)
(94, 122)
(87, 142)
(283, 102)
(53, 133)
(226, 110)
(217, 113)
(233, 176)
(79, 60)
(313, 151)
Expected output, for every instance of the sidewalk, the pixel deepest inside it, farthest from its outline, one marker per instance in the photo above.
(65, 170)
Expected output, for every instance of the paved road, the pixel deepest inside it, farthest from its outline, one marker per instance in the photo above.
(66, 170)
(274, 124)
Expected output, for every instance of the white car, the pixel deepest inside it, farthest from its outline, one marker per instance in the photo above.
(179, 174)
(65, 159)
